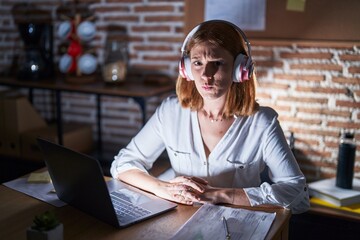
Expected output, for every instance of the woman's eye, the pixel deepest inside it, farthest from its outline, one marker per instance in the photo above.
(197, 63)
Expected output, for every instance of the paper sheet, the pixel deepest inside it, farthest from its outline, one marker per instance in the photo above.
(246, 14)
(207, 223)
(41, 191)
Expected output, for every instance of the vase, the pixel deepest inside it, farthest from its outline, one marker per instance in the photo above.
(56, 233)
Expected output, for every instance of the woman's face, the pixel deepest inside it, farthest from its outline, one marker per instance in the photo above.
(212, 69)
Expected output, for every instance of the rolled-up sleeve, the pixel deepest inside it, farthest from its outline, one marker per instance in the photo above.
(143, 149)
(288, 187)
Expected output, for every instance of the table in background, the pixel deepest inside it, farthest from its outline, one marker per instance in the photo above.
(323, 222)
(18, 210)
(131, 88)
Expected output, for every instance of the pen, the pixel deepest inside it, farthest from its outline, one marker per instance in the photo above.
(227, 233)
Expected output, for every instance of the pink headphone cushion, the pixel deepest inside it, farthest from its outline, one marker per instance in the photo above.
(242, 68)
(185, 68)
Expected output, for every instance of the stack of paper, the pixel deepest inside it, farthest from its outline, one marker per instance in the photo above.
(327, 191)
(207, 223)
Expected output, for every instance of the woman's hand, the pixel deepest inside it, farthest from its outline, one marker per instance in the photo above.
(185, 190)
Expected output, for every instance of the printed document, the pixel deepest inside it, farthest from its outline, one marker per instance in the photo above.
(207, 223)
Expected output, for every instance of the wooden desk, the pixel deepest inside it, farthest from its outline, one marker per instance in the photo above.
(17, 211)
(131, 88)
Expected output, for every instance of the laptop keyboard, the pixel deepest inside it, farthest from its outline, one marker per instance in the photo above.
(125, 210)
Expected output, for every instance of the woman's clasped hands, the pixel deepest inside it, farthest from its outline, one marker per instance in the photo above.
(184, 190)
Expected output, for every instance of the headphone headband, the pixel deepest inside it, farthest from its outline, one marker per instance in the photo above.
(196, 28)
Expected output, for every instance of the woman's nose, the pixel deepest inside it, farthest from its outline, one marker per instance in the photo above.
(208, 71)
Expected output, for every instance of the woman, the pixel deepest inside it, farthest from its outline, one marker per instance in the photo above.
(217, 137)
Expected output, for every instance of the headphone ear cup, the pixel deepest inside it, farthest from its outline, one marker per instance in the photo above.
(185, 68)
(243, 67)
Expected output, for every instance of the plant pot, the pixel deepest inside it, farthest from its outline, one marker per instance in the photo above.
(53, 234)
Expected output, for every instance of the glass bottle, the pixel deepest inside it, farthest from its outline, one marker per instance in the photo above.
(115, 62)
(346, 160)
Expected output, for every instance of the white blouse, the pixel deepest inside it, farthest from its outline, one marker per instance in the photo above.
(237, 161)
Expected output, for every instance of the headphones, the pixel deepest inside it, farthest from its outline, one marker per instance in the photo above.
(243, 64)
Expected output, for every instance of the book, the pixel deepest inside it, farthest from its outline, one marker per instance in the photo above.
(327, 190)
(354, 208)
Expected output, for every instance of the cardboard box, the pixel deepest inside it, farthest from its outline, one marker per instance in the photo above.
(76, 136)
(19, 116)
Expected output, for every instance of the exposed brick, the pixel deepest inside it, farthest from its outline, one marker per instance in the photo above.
(332, 144)
(354, 70)
(323, 67)
(300, 120)
(179, 29)
(161, 48)
(346, 80)
(306, 141)
(160, 8)
(303, 99)
(350, 57)
(263, 95)
(311, 78)
(346, 125)
(161, 58)
(306, 55)
(273, 85)
(260, 73)
(175, 1)
(123, 1)
(311, 152)
(350, 104)
(327, 90)
(269, 64)
(324, 175)
(315, 132)
(144, 29)
(333, 45)
(169, 18)
(270, 43)
(120, 19)
(262, 53)
(317, 163)
(324, 111)
(165, 39)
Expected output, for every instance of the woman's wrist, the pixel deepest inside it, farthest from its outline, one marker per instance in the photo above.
(233, 196)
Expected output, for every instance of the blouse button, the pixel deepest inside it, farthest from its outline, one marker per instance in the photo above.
(175, 154)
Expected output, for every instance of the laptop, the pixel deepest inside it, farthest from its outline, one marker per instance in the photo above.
(79, 181)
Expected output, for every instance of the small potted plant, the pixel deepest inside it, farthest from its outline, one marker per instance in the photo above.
(45, 227)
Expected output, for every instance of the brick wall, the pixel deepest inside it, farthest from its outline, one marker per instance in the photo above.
(314, 86)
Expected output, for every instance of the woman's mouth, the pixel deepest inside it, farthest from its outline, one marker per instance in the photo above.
(207, 87)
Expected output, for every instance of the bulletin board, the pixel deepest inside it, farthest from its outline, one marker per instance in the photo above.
(324, 20)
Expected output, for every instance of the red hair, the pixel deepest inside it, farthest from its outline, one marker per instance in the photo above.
(240, 96)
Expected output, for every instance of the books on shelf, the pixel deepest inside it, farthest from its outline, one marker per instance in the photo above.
(354, 208)
(326, 190)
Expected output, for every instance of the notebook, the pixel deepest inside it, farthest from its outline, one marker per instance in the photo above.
(79, 181)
